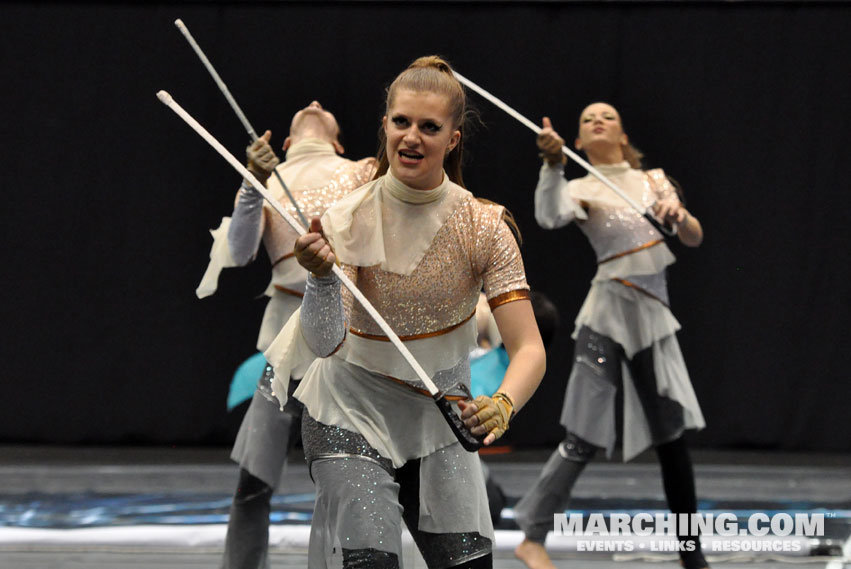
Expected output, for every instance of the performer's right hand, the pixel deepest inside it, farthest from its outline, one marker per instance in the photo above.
(313, 252)
(550, 143)
(261, 158)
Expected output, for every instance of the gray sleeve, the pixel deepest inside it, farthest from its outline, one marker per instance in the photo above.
(554, 207)
(322, 320)
(244, 233)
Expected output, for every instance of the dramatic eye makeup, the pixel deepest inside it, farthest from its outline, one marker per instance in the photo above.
(431, 126)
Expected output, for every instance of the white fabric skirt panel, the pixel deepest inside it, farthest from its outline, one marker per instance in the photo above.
(398, 422)
(263, 440)
(279, 309)
(627, 316)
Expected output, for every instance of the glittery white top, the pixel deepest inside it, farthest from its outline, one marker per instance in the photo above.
(626, 244)
(611, 224)
(474, 247)
(317, 177)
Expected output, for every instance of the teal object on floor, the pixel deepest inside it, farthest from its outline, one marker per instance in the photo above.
(245, 379)
(487, 371)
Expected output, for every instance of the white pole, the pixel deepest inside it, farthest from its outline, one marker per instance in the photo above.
(224, 88)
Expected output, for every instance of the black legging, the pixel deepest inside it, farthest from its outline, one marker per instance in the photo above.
(678, 482)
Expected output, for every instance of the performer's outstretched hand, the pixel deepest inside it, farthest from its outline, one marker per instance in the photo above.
(261, 158)
(550, 143)
(313, 252)
(487, 415)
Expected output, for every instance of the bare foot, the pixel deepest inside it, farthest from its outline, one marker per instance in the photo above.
(533, 555)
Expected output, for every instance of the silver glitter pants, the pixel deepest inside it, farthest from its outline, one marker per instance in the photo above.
(361, 502)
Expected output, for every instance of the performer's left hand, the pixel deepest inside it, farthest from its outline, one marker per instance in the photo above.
(486, 415)
(670, 211)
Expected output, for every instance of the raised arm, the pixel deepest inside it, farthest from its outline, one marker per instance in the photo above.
(554, 207)
(248, 220)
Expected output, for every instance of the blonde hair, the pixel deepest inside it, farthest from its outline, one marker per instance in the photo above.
(632, 155)
(432, 74)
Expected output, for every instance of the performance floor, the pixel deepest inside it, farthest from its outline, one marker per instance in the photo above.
(165, 508)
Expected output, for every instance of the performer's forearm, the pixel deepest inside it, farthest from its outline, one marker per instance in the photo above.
(246, 226)
(322, 318)
(690, 231)
(525, 371)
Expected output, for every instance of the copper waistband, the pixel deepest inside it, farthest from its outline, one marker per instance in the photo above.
(384, 338)
(639, 289)
(631, 251)
(507, 297)
(424, 391)
(284, 258)
(289, 291)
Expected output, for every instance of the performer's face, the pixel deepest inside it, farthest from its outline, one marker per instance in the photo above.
(600, 125)
(420, 134)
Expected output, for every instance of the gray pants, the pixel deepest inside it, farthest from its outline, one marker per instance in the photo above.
(551, 493)
(265, 437)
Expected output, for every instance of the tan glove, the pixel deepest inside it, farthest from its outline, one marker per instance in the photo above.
(494, 413)
(261, 158)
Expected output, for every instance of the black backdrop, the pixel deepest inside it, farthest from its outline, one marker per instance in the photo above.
(109, 196)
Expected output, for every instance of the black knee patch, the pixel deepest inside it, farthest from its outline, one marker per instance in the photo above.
(576, 449)
(369, 558)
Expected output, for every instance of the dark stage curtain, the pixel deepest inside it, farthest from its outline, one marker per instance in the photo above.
(109, 196)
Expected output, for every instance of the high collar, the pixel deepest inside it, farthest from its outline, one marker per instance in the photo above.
(408, 194)
(310, 146)
(613, 169)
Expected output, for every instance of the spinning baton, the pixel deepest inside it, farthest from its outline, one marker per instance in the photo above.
(226, 92)
(647, 213)
(469, 441)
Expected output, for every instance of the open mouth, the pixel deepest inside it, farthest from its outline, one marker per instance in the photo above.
(410, 156)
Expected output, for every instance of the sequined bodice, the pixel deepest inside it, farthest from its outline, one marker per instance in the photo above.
(472, 247)
(613, 226)
(314, 193)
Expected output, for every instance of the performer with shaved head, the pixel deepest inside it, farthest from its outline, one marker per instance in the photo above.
(317, 176)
